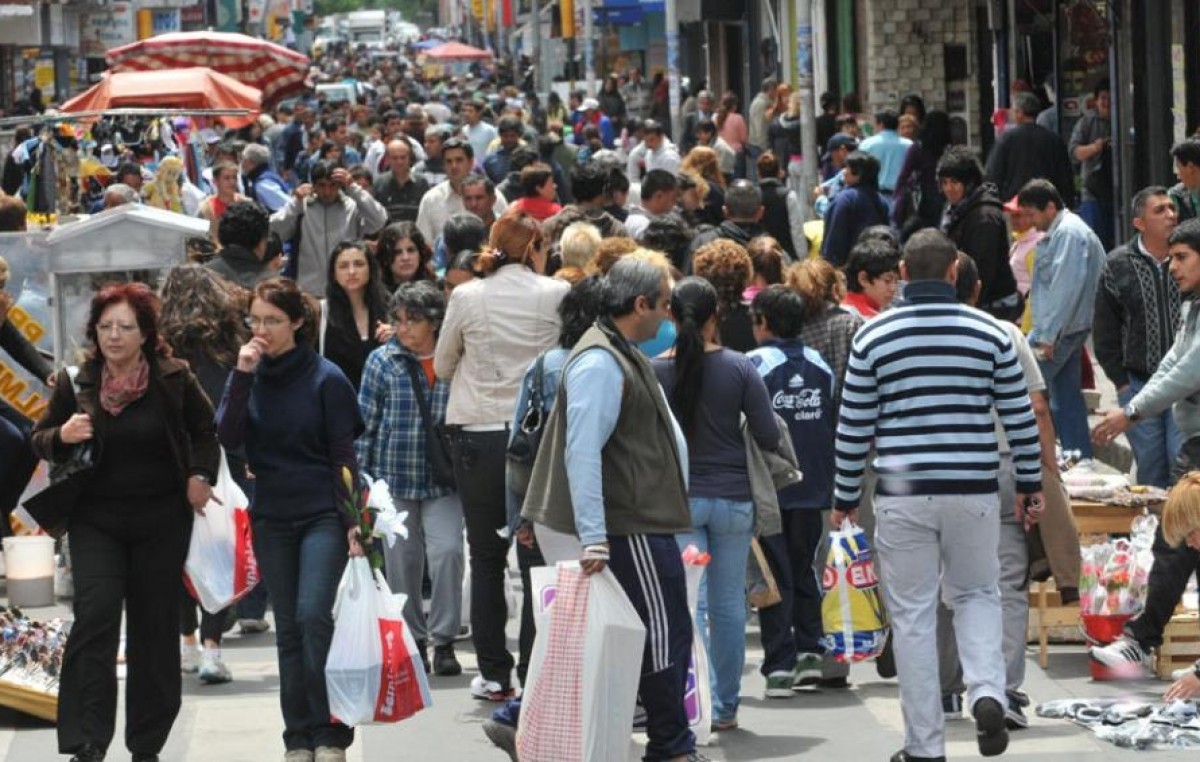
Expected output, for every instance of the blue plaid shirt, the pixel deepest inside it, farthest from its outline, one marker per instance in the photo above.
(393, 447)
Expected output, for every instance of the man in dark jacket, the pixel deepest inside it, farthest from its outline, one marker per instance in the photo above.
(974, 220)
(783, 217)
(587, 185)
(261, 184)
(1186, 193)
(1137, 315)
(1027, 151)
(743, 217)
(857, 207)
(398, 189)
(242, 232)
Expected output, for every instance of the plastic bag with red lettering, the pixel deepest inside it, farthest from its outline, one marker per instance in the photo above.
(373, 673)
(221, 567)
(697, 698)
(856, 624)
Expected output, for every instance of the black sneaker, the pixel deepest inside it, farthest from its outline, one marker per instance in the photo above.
(952, 706)
(503, 736)
(885, 663)
(990, 730)
(1014, 716)
(423, 649)
(88, 753)
(444, 661)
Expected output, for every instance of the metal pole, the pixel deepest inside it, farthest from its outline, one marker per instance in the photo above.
(589, 49)
(804, 85)
(536, 48)
(672, 24)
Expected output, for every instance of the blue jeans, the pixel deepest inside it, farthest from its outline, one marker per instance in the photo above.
(1156, 440)
(302, 563)
(723, 528)
(1062, 375)
(1099, 217)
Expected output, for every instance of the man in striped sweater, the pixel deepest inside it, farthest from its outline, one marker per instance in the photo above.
(921, 385)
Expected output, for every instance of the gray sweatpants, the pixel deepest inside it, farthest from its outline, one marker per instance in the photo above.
(1014, 597)
(927, 542)
(435, 537)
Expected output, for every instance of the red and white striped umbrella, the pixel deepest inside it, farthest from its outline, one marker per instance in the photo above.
(273, 69)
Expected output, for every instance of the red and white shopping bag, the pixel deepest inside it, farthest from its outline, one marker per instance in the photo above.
(583, 673)
(221, 567)
(373, 673)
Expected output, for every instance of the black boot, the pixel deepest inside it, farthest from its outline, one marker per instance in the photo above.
(445, 663)
(89, 753)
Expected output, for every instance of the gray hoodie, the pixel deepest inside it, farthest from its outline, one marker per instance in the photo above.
(1176, 382)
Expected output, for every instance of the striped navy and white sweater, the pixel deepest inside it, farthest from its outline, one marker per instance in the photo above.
(921, 385)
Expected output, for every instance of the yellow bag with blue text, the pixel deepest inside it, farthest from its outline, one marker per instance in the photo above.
(856, 624)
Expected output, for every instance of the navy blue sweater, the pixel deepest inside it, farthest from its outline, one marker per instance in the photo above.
(298, 417)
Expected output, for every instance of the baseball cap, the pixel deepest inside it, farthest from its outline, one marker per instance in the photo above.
(839, 140)
(1011, 205)
(591, 104)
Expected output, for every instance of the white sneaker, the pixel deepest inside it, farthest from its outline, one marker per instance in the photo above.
(212, 670)
(330, 754)
(1123, 656)
(189, 658)
(489, 690)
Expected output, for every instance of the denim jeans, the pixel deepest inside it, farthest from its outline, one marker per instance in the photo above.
(1099, 217)
(723, 528)
(1062, 374)
(302, 563)
(1156, 440)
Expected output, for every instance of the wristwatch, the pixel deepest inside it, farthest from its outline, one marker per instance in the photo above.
(1132, 413)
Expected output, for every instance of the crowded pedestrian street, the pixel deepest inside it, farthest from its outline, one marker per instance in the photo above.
(586, 381)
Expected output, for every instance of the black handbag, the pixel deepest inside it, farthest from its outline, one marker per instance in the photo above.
(437, 440)
(52, 507)
(523, 449)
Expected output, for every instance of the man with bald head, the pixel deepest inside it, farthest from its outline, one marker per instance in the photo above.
(398, 189)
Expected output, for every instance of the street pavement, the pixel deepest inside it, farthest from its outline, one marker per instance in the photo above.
(240, 721)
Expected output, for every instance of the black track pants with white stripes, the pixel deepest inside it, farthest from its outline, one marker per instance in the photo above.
(651, 571)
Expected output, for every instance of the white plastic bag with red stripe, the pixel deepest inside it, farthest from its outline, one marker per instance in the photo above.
(584, 671)
(221, 567)
(373, 673)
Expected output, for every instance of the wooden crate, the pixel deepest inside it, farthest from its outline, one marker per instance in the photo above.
(36, 703)
(1181, 644)
(1049, 619)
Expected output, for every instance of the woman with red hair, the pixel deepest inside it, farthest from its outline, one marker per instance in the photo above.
(156, 456)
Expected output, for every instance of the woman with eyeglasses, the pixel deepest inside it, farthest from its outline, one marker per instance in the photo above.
(397, 381)
(155, 457)
(354, 320)
(297, 415)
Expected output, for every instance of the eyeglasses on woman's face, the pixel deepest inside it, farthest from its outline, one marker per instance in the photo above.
(120, 328)
(270, 323)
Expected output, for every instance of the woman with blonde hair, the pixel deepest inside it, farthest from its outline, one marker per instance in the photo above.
(494, 328)
(827, 327)
(171, 190)
(1181, 526)
(703, 164)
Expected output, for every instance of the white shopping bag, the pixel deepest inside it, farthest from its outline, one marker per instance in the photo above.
(697, 698)
(221, 567)
(373, 673)
(584, 671)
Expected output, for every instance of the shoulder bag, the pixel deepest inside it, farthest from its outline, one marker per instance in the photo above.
(523, 449)
(437, 440)
(52, 507)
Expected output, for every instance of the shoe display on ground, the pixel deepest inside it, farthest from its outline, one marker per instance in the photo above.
(779, 684)
(1014, 716)
(952, 706)
(489, 690)
(253, 626)
(445, 663)
(212, 670)
(189, 658)
(991, 732)
(329, 754)
(808, 670)
(503, 736)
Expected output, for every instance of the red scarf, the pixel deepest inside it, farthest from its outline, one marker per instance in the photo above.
(116, 394)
